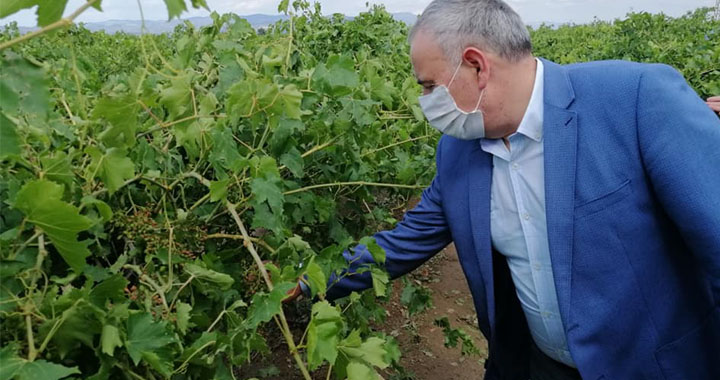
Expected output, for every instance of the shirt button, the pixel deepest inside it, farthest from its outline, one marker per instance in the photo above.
(514, 166)
(526, 216)
(537, 266)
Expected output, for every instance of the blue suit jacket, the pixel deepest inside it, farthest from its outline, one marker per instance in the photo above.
(632, 182)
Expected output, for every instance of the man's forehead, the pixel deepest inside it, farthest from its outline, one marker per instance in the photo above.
(424, 45)
(428, 58)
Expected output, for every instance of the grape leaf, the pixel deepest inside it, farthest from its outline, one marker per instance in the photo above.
(9, 139)
(323, 334)
(50, 11)
(80, 326)
(317, 279)
(381, 89)
(40, 201)
(288, 102)
(23, 86)
(371, 351)
(8, 7)
(113, 168)
(283, 6)
(218, 189)
(58, 167)
(264, 218)
(240, 98)
(222, 280)
(380, 280)
(358, 110)
(224, 153)
(416, 298)
(360, 371)
(337, 75)
(264, 306)
(266, 190)
(293, 161)
(377, 252)
(121, 112)
(183, 316)
(177, 97)
(102, 207)
(147, 339)
(205, 340)
(175, 8)
(199, 3)
(110, 339)
(14, 367)
(110, 289)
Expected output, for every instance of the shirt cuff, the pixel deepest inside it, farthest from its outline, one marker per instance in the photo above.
(305, 289)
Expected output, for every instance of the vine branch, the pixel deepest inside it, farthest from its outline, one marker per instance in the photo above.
(354, 183)
(285, 328)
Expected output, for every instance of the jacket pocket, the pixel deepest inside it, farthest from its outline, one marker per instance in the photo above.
(695, 355)
(604, 201)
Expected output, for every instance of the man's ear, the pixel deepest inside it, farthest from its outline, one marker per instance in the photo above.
(480, 60)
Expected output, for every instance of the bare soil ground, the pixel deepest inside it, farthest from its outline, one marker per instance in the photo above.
(421, 342)
(424, 355)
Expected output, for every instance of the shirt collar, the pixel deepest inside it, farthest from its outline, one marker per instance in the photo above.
(532, 122)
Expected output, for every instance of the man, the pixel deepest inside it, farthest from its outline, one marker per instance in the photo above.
(583, 200)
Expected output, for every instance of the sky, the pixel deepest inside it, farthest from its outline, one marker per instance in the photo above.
(532, 11)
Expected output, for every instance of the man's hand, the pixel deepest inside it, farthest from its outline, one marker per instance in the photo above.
(714, 103)
(293, 294)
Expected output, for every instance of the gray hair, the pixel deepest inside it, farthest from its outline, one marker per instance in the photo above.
(486, 24)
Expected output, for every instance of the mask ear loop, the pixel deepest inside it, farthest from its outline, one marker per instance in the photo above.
(454, 74)
(477, 106)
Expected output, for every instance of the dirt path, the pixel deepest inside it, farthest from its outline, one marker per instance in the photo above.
(421, 342)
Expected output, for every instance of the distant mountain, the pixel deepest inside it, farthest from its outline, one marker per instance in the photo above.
(161, 26)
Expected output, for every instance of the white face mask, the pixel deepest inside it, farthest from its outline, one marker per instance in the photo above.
(444, 115)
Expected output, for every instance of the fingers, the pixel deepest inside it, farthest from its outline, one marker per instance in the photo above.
(714, 103)
(715, 106)
(293, 294)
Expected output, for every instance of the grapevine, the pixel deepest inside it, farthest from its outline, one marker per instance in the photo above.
(160, 194)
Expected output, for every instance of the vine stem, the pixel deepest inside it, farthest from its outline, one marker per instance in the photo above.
(354, 183)
(240, 237)
(26, 243)
(395, 144)
(63, 22)
(329, 372)
(32, 351)
(285, 328)
(290, 44)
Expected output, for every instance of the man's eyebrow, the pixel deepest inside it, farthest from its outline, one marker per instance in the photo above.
(425, 82)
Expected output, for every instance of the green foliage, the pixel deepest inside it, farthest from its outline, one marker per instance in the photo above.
(688, 43)
(455, 335)
(121, 156)
(40, 201)
(14, 367)
(415, 297)
(147, 340)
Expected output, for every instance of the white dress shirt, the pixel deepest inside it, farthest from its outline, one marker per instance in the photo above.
(519, 228)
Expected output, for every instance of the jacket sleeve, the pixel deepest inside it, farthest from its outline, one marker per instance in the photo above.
(420, 235)
(679, 139)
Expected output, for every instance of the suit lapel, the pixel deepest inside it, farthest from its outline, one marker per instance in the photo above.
(560, 145)
(479, 182)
